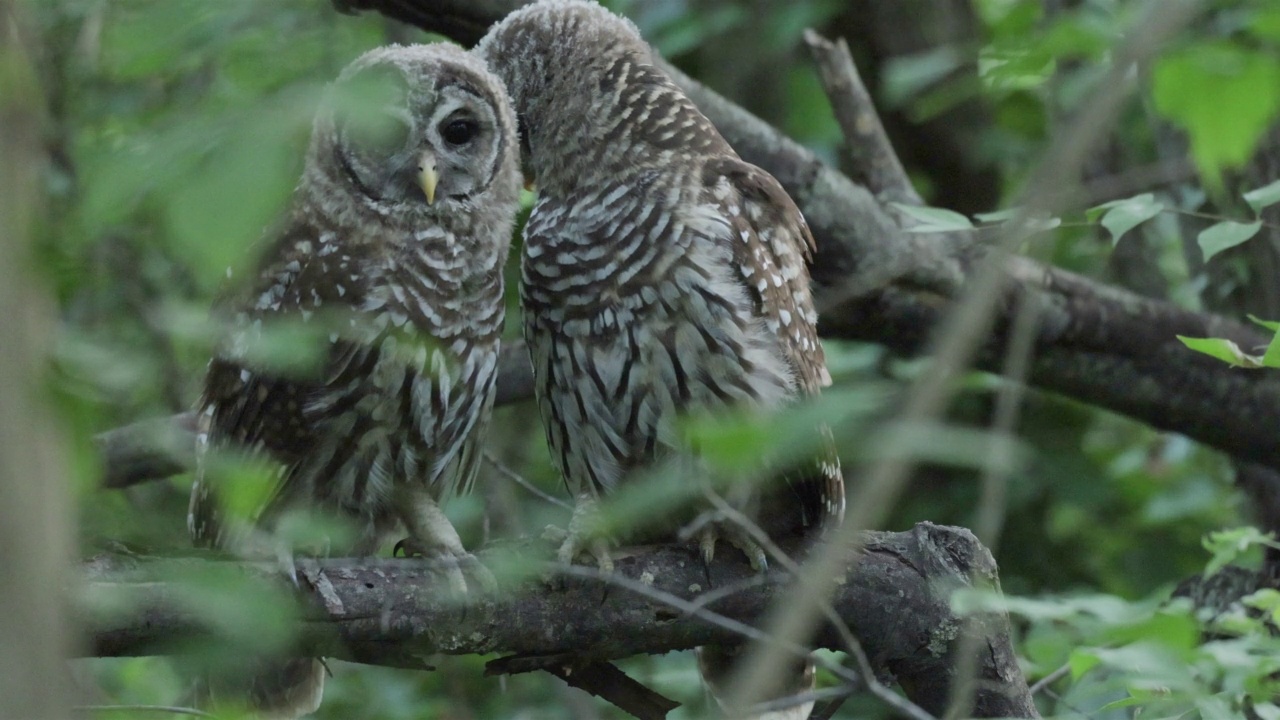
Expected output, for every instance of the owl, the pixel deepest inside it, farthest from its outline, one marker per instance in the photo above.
(392, 258)
(661, 274)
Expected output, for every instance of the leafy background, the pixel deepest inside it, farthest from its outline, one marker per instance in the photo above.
(178, 128)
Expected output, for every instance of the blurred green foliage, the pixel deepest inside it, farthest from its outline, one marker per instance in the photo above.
(178, 131)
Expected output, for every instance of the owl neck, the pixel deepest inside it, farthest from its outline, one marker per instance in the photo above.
(628, 116)
(387, 239)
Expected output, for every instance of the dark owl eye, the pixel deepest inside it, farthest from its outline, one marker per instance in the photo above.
(459, 132)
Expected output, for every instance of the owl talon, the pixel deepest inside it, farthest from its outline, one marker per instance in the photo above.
(583, 537)
(451, 565)
(717, 530)
(576, 546)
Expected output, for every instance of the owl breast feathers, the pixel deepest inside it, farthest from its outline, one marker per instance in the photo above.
(392, 259)
(390, 262)
(661, 273)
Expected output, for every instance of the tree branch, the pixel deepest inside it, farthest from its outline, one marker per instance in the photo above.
(865, 140)
(389, 612)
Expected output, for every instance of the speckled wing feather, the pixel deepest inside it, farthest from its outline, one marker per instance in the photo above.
(772, 246)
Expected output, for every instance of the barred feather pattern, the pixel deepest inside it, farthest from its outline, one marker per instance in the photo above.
(404, 297)
(405, 388)
(661, 273)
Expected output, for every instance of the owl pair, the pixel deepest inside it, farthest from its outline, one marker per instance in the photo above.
(661, 274)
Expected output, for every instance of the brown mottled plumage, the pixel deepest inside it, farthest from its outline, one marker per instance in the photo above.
(661, 273)
(393, 253)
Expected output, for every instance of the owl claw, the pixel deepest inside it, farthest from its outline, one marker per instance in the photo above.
(432, 536)
(452, 565)
(583, 537)
(575, 546)
(717, 530)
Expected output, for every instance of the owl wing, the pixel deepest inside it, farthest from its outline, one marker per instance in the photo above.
(265, 414)
(772, 246)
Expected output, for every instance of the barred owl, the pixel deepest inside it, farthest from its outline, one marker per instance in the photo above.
(661, 273)
(393, 253)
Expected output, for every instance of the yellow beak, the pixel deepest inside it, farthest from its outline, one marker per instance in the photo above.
(427, 177)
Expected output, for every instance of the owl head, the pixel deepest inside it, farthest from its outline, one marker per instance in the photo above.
(555, 50)
(416, 130)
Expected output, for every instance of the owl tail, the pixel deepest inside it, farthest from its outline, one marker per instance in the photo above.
(277, 690)
(716, 664)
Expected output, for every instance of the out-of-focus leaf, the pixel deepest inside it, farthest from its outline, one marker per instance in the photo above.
(1223, 349)
(1225, 235)
(907, 76)
(1228, 545)
(1272, 325)
(934, 219)
(740, 441)
(1225, 95)
(1216, 707)
(1263, 197)
(951, 445)
(1267, 600)
(1177, 630)
(1265, 22)
(1081, 662)
(1271, 358)
(1267, 711)
(1124, 215)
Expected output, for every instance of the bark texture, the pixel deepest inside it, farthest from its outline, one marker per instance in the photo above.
(895, 599)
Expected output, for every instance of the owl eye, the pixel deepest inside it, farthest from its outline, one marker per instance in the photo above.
(459, 132)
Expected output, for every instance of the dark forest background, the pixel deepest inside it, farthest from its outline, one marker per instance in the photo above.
(171, 132)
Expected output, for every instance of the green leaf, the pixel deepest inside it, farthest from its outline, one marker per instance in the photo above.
(1216, 707)
(1227, 545)
(1223, 349)
(1128, 214)
(1081, 662)
(1267, 711)
(1223, 94)
(1178, 631)
(1272, 325)
(1225, 235)
(1267, 600)
(998, 216)
(1271, 358)
(1263, 197)
(934, 219)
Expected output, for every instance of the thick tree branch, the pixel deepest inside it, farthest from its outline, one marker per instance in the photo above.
(896, 599)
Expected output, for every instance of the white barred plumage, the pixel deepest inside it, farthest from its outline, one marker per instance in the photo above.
(394, 253)
(661, 273)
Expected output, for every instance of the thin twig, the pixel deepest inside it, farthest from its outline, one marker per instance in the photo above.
(1050, 679)
(170, 709)
(518, 479)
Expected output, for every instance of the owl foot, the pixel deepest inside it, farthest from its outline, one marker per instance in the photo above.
(583, 537)
(456, 565)
(432, 536)
(717, 530)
